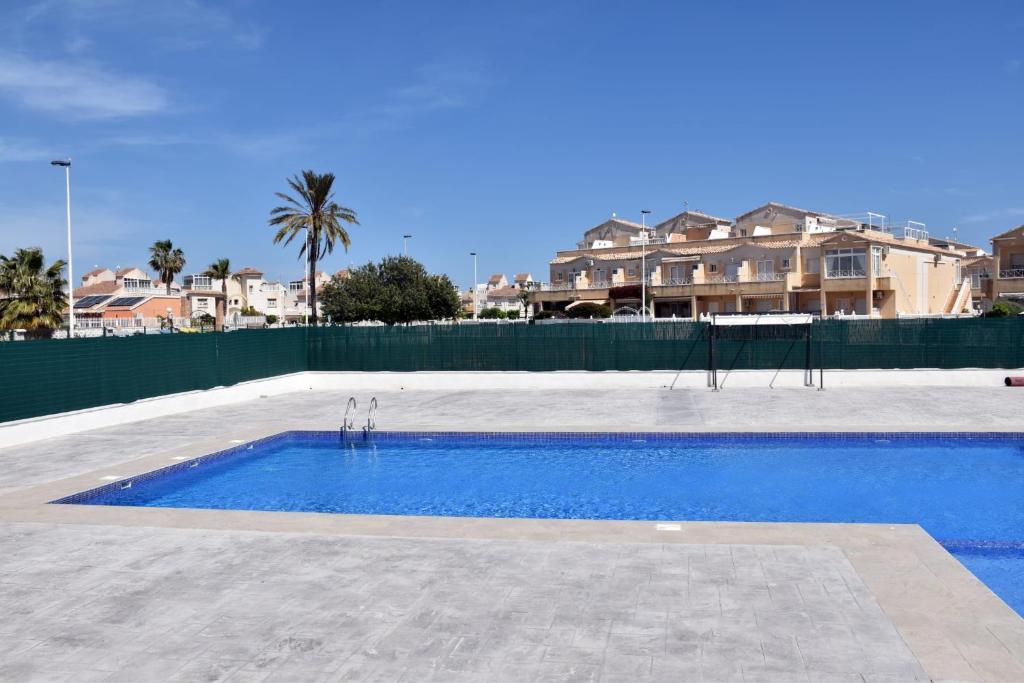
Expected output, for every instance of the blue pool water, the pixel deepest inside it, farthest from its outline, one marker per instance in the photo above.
(965, 490)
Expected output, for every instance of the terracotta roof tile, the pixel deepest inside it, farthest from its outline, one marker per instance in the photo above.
(97, 288)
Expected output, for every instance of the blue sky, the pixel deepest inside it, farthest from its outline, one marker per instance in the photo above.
(504, 128)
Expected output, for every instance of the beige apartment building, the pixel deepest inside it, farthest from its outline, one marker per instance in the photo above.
(774, 258)
(1007, 266)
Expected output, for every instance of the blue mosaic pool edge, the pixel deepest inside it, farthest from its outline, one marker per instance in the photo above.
(532, 437)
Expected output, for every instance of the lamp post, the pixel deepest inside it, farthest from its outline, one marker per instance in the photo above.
(405, 244)
(66, 164)
(643, 264)
(473, 254)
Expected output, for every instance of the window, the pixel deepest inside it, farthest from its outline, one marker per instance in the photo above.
(250, 289)
(743, 232)
(845, 263)
(632, 271)
(712, 267)
(271, 303)
(296, 285)
(560, 276)
(812, 265)
(202, 303)
(876, 261)
(766, 270)
(198, 282)
(785, 264)
(137, 283)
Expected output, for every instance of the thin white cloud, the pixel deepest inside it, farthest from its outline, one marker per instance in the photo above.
(999, 214)
(436, 86)
(77, 90)
(24, 150)
(165, 24)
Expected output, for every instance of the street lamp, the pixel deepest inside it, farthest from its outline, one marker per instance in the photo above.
(66, 164)
(405, 244)
(473, 254)
(643, 264)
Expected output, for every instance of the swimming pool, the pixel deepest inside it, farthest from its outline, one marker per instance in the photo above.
(964, 489)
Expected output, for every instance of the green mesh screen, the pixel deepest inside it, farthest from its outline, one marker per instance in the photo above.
(45, 377)
(57, 375)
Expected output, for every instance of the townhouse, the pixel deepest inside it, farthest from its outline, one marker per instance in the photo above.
(1007, 265)
(126, 297)
(774, 258)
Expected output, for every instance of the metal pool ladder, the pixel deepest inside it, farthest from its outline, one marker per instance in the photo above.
(371, 418)
(348, 420)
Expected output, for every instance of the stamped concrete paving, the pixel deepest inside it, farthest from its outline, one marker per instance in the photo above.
(128, 596)
(103, 603)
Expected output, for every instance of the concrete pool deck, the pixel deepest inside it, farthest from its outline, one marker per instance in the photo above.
(104, 593)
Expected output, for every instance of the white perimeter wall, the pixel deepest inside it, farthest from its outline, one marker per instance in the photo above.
(24, 431)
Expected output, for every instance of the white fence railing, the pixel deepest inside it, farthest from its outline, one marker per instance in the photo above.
(844, 274)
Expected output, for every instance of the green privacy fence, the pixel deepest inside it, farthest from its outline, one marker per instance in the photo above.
(54, 376)
(45, 377)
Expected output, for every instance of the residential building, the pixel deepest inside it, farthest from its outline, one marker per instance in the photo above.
(1008, 265)
(128, 293)
(523, 281)
(789, 260)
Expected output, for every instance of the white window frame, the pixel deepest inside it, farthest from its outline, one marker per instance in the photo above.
(847, 263)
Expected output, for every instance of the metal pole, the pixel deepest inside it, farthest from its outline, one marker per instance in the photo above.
(643, 265)
(821, 359)
(473, 254)
(71, 276)
(405, 245)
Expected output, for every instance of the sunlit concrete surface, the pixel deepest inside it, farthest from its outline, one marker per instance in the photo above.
(98, 593)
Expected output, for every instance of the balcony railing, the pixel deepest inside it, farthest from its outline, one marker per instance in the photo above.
(677, 281)
(845, 274)
(716, 278)
(1010, 273)
(765, 277)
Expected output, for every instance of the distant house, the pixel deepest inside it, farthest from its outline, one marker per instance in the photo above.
(1008, 265)
(497, 281)
(127, 293)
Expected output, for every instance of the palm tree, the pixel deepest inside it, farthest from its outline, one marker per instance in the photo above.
(166, 261)
(315, 212)
(31, 296)
(221, 270)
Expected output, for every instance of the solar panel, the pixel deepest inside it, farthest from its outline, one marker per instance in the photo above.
(126, 301)
(90, 301)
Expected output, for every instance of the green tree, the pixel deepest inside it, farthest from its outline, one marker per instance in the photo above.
(493, 313)
(524, 298)
(316, 213)
(166, 261)
(396, 290)
(221, 270)
(589, 309)
(31, 295)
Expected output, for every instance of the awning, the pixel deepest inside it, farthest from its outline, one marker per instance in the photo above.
(599, 302)
(763, 296)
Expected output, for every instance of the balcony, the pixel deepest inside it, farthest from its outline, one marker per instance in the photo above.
(1011, 273)
(764, 277)
(845, 274)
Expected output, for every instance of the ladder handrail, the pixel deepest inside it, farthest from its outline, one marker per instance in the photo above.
(371, 416)
(346, 421)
